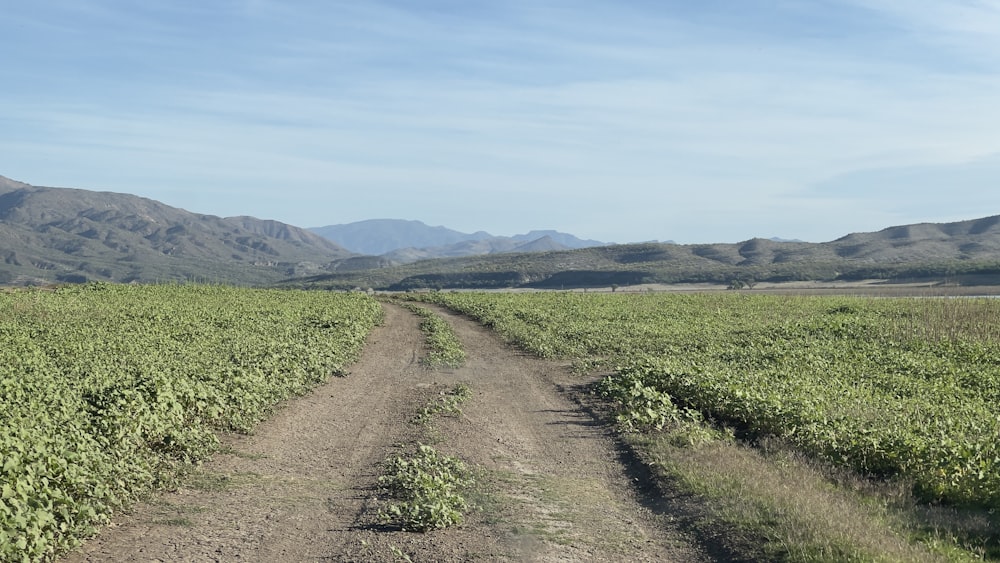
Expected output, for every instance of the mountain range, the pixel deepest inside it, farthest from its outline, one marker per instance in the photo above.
(72, 235)
(958, 252)
(402, 242)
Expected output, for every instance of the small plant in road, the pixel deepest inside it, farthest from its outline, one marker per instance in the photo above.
(448, 403)
(444, 348)
(427, 490)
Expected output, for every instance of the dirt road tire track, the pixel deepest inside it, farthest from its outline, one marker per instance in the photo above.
(304, 486)
(564, 492)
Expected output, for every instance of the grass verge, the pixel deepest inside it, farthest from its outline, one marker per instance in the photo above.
(798, 509)
(443, 347)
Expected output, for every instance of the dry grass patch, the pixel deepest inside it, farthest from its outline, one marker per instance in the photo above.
(800, 509)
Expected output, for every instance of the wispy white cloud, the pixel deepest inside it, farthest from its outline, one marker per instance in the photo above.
(625, 120)
(968, 18)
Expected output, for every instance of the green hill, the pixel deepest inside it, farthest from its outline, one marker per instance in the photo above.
(70, 235)
(964, 251)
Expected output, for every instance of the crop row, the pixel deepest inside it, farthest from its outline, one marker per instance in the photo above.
(444, 349)
(107, 392)
(897, 388)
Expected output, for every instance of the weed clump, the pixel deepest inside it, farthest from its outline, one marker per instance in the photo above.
(447, 403)
(444, 349)
(426, 488)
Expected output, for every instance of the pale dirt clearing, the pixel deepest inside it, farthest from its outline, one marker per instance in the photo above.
(304, 487)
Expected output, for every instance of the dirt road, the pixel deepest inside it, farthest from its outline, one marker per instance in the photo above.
(304, 487)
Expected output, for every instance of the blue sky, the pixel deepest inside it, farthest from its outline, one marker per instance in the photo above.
(619, 120)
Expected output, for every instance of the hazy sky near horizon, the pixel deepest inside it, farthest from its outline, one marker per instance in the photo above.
(618, 120)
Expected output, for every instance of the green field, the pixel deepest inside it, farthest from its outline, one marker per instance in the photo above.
(902, 390)
(108, 392)
(887, 386)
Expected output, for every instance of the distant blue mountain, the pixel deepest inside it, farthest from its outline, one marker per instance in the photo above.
(407, 241)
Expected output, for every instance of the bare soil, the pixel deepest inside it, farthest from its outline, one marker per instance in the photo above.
(553, 482)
